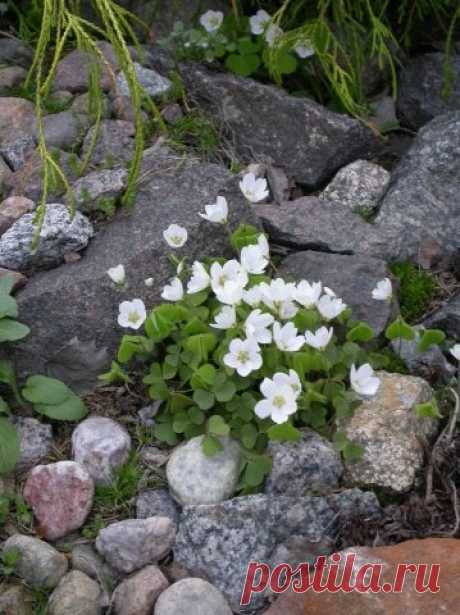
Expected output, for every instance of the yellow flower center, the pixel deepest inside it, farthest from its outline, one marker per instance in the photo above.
(133, 317)
(243, 356)
(279, 401)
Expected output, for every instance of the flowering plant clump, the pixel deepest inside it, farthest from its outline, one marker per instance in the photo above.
(236, 351)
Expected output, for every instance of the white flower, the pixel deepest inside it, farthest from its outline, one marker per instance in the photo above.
(320, 339)
(217, 212)
(307, 294)
(262, 242)
(383, 291)
(279, 403)
(292, 379)
(272, 33)
(256, 326)
(330, 307)
(244, 356)
(211, 20)
(180, 267)
(253, 296)
(363, 380)
(225, 319)
(175, 236)
(253, 259)
(200, 278)
(286, 337)
(132, 314)
(329, 291)
(117, 274)
(455, 351)
(228, 281)
(148, 282)
(287, 310)
(259, 21)
(174, 291)
(278, 297)
(304, 50)
(254, 189)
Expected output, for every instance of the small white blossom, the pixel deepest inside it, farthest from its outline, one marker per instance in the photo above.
(307, 294)
(253, 259)
(287, 310)
(225, 319)
(259, 21)
(320, 339)
(175, 236)
(148, 282)
(330, 307)
(212, 20)
(383, 291)
(455, 351)
(272, 33)
(304, 50)
(329, 291)
(256, 326)
(174, 291)
(244, 356)
(254, 189)
(262, 242)
(228, 281)
(200, 278)
(286, 337)
(279, 402)
(363, 380)
(117, 274)
(216, 212)
(292, 379)
(253, 296)
(132, 314)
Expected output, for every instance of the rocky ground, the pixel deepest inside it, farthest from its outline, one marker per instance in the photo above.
(103, 518)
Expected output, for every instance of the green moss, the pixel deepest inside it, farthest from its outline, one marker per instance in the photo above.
(197, 132)
(418, 288)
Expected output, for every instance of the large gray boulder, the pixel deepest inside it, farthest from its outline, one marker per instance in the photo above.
(446, 318)
(269, 125)
(173, 189)
(421, 95)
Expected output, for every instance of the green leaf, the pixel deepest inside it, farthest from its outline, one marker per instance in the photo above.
(9, 446)
(225, 392)
(247, 46)
(307, 319)
(116, 374)
(243, 65)
(244, 235)
(8, 306)
(159, 390)
(256, 470)
(165, 433)
(44, 390)
(201, 345)
(428, 410)
(12, 330)
(430, 338)
(157, 326)
(4, 408)
(211, 446)
(284, 433)
(400, 329)
(286, 63)
(180, 422)
(194, 327)
(203, 399)
(7, 375)
(204, 376)
(249, 435)
(129, 346)
(6, 284)
(71, 409)
(196, 416)
(360, 333)
(217, 426)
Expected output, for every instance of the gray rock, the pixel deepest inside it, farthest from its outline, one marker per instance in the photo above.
(12, 209)
(446, 318)
(99, 187)
(17, 148)
(148, 413)
(156, 503)
(39, 564)
(280, 186)
(36, 441)
(151, 455)
(16, 115)
(419, 216)
(76, 594)
(431, 365)
(195, 478)
(14, 51)
(15, 600)
(154, 84)
(137, 594)
(114, 143)
(172, 114)
(5, 172)
(82, 105)
(218, 541)
(86, 560)
(352, 277)
(65, 130)
(389, 430)
(421, 89)
(309, 466)
(268, 125)
(73, 71)
(11, 77)
(192, 596)
(359, 186)
(60, 235)
(172, 189)
(133, 543)
(101, 446)
(383, 113)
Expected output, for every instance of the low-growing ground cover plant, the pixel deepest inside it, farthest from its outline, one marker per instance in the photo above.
(47, 396)
(235, 351)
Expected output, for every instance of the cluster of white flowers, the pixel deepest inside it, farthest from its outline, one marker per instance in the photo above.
(274, 304)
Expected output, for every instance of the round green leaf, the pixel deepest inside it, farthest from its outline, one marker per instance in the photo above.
(9, 446)
(203, 399)
(217, 426)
